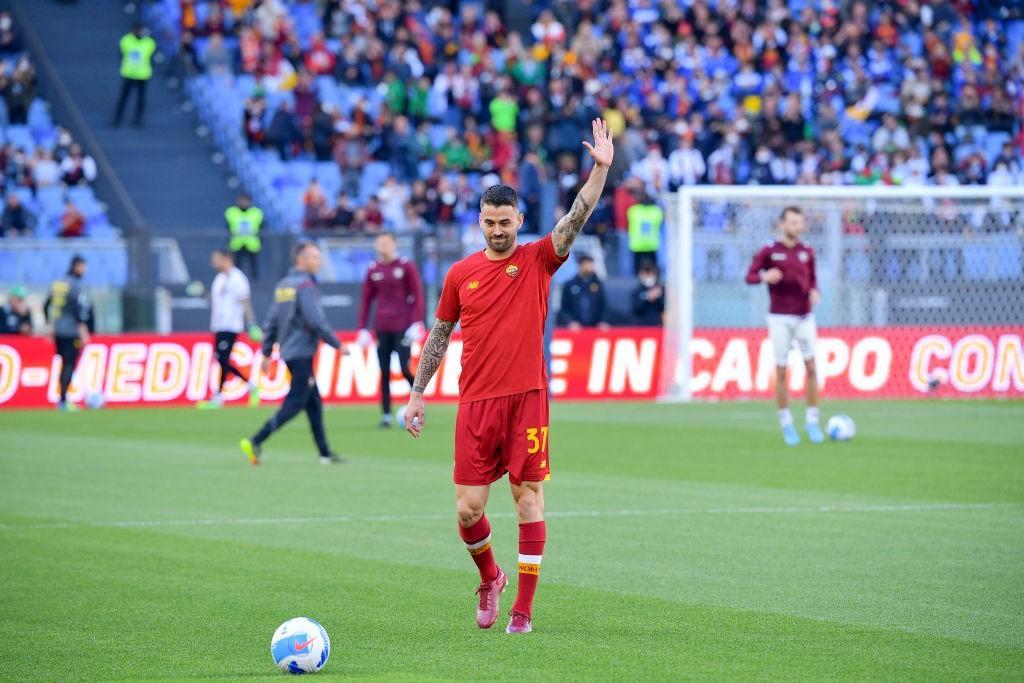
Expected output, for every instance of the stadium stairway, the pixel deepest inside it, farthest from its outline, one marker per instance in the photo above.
(165, 175)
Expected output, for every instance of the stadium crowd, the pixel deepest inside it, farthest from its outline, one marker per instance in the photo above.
(777, 92)
(39, 162)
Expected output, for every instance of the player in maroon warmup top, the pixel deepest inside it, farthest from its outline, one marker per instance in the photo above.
(394, 284)
(787, 267)
(500, 295)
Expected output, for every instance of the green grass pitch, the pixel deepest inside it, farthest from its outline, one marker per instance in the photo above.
(684, 542)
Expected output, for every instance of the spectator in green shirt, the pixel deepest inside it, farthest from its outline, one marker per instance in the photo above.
(504, 112)
(454, 153)
(418, 99)
(396, 94)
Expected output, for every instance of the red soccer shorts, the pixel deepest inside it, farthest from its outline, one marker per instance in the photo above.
(505, 434)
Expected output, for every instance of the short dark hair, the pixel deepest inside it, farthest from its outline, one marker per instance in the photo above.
(584, 258)
(647, 266)
(792, 208)
(226, 253)
(76, 260)
(500, 195)
(300, 247)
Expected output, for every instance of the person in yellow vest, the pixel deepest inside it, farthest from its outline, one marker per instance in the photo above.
(244, 222)
(644, 221)
(137, 50)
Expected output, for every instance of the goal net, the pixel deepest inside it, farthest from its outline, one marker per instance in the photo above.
(922, 291)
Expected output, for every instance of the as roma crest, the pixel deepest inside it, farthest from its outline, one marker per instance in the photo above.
(512, 270)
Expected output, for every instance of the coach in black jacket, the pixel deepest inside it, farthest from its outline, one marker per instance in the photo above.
(297, 323)
(583, 301)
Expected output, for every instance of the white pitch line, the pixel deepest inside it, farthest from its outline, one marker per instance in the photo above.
(655, 512)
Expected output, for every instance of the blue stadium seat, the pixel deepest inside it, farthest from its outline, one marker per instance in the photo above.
(302, 171)
(9, 265)
(993, 145)
(20, 136)
(374, 175)
(39, 115)
(50, 199)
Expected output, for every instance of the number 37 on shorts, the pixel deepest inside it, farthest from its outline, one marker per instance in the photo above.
(538, 444)
(505, 434)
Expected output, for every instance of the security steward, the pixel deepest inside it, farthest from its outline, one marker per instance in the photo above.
(137, 50)
(244, 222)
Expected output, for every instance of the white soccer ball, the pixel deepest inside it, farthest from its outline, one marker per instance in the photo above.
(840, 428)
(300, 646)
(94, 400)
(400, 417)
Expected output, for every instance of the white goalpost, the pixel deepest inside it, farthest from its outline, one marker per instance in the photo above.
(892, 258)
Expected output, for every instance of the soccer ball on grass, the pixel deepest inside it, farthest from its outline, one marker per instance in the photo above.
(300, 646)
(840, 428)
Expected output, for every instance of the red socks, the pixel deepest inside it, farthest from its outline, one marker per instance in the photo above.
(531, 549)
(478, 542)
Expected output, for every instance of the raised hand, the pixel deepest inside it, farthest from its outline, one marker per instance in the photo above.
(602, 150)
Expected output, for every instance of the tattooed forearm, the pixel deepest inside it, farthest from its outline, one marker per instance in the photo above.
(572, 223)
(569, 227)
(433, 351)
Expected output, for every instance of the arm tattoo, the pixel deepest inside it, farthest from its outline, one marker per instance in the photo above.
(570, 225)
(433, 351)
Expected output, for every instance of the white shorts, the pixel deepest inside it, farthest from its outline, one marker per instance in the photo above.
(783, 330)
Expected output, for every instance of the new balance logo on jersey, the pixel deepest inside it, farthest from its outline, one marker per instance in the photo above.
(474, 284)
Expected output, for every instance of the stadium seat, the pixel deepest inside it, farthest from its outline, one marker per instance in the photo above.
(374, 175)
(21, 137)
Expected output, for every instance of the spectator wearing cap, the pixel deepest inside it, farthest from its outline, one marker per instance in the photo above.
(583, 298)
(16, 220)
(648, 296)
(15, 318)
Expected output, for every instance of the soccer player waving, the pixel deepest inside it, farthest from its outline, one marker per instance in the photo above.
(787, 267)
(500, 295)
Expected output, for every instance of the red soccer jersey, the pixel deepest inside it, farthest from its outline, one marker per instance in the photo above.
(790, 296)
(502, 306)
(397, 289)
